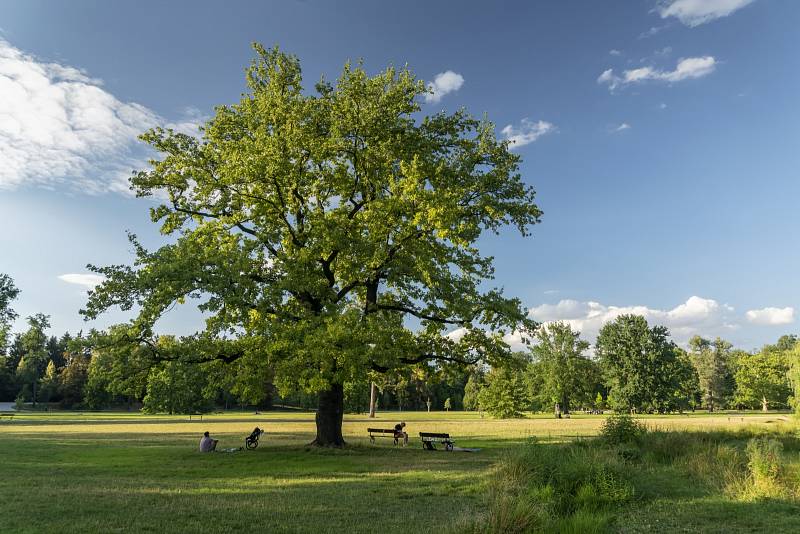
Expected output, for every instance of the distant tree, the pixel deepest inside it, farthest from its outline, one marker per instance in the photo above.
(356, 396)
(472, 389)
(49, 383)
(712, 360)
(34, 348)
(762, 379)
(117, 367)
(505, 395)
(177, 387)
(314, 226)
(8, 385)
(15, 353)
(786, 343)
(447, 404)
(685, 383)
(639, 364)
(568, 375)
(74, 378)
(599, 402)
(8, 292)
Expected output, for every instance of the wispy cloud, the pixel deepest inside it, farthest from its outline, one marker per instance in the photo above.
(622, 127)
(686, 68)
(60, 127)
(696, 12)
(653, 31)
(527, 132)
(771, 316)
(614, 52)
(82, 279)
(443, 83)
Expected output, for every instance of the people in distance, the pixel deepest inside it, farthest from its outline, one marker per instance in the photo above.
(207, 444)
(400, 433)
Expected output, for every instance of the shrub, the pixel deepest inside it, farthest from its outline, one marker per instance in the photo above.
(764, 463)
(621, 428)
(764, 458)
(555, 488)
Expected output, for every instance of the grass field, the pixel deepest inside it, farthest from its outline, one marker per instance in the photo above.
(115, 472)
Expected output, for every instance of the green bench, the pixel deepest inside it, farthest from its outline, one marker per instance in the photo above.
(382, 433)
(430, 439)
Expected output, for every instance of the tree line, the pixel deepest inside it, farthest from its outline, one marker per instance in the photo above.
(632, 367)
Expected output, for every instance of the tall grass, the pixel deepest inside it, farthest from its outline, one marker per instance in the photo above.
(581, 486)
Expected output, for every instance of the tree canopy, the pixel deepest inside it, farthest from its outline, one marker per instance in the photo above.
(326, 234)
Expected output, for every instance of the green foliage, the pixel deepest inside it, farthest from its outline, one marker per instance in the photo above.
(313, 225)
(8, 292)
(712, 359)
(622, 428)
(762, 380)
(643, 369)
(472, 389)
(176, 387)
(49, 384)
(764, 458)
(447, 404)
(569, 378)
(555, 488)
(505, 395)
(356, 396)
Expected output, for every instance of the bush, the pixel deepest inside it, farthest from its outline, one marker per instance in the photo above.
(622, 428)
(764, 458)
(555, 488)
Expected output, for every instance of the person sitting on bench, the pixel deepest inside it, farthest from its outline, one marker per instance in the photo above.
(399, 433)
(207, 444)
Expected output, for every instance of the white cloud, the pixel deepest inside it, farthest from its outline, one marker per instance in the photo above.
(662, 106)
(614, 52)
(58, 127)
(527, 132)
(695, 316)
(771, 316)
(696, 12)
(443, 84)
(652, 31)
(86, 279)
(685, 69)
(622, 127)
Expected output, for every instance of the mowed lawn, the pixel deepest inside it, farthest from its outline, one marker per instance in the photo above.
(113, 472)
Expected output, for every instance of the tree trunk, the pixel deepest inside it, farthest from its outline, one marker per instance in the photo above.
(373, 392)
(329, 417)
(763, 404)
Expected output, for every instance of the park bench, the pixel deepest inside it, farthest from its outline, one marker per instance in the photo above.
(429, 440)
(10, 416)
(382, 433)
(195, 415)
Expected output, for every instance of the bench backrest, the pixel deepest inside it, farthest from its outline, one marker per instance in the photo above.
(433, 435)
(380, 430)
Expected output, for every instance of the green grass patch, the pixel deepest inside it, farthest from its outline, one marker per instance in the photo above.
(121, 472)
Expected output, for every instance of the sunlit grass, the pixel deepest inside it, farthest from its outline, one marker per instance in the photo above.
(114, 472)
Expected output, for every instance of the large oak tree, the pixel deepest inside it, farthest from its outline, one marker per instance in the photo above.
(327, 233)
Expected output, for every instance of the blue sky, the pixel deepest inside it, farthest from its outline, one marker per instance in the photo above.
(662, 138)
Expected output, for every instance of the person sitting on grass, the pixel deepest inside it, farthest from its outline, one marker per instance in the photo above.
(399, 433)
(207, 444)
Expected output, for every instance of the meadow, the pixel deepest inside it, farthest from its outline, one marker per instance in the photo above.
(119, 472)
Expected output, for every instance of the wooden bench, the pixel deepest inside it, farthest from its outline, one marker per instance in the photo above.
(382, 433)
(429, 440)
(195, 415)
